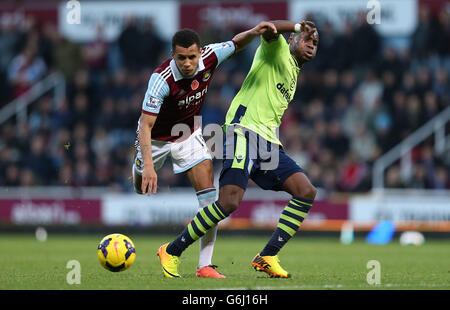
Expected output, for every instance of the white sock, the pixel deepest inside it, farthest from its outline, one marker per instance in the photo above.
(205, 198)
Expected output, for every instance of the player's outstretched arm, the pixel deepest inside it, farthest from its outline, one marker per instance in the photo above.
(285, 26)
(244, 38)
(149, 176)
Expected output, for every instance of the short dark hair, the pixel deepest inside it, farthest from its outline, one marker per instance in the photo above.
(185, 38)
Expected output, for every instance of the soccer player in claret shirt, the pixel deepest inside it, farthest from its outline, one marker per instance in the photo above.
(175, 95)
(251, 123)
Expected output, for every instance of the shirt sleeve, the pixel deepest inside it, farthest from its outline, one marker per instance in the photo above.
(222, 50)
(157, 90)
(274, 47)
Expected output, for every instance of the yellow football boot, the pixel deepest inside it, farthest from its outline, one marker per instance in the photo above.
(169, 263)
(270, 265)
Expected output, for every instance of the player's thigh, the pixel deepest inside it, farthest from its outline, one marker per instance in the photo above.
(160, 151)
(298, 185)
(201, 175)
(237, 164)
(189, 153)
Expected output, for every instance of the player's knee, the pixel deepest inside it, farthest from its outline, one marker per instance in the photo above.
(309, 192)
(230, 196)
(230, 206)
(229, 203)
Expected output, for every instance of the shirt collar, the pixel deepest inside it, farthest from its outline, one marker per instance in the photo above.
(177, 74)
(295, 61)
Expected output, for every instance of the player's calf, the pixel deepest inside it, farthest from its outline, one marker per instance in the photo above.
(290, 221)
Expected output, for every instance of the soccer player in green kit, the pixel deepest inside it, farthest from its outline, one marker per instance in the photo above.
(251, 132)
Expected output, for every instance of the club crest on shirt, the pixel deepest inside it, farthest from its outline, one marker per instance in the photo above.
(292, 85)
(194, 84)
(206, 76)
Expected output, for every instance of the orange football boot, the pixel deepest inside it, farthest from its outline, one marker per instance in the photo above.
(209, 272)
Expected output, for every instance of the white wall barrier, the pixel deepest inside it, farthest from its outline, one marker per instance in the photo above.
(401, 206)
(138, 210)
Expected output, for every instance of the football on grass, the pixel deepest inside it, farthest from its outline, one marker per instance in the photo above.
(116, 252)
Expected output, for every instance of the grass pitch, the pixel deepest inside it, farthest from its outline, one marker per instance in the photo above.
(315, 263)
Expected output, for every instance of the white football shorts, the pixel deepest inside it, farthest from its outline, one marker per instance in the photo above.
(185, 154)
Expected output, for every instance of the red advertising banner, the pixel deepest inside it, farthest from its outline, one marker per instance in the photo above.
(50, 211)
(260, 211)
(245, 14)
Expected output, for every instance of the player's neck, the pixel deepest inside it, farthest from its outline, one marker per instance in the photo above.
(298, 61)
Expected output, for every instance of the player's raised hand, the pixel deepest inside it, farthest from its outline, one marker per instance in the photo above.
(308, 27)
(149, 181)
(264, 26)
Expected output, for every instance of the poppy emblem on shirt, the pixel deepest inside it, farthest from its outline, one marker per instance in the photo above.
(194, 84)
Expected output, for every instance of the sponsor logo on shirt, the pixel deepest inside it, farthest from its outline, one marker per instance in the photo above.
(284, 91)
(192, 100)
(152, 102)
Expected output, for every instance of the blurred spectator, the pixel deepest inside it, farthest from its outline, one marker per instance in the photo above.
(151, 46)
(38, 162)
(419, 178)
(363, 144)
(336, 140)
(12, 176)
(27, 178)
(359, 98)
(41, 118)
(208, 32)
(9, 43)
(25, 70)
(100, 142)
(81, 108)
(443, 33)
(62, 51)
(106, 115)
(371, 90)
(441, 85)
(343, 48)
(129, 44)
(352, 174)
(65, 176)
(441, 180)
(423, 40)
(393, 178)
(61, 116)
(366, 42)
(82, 174)
(95, 53)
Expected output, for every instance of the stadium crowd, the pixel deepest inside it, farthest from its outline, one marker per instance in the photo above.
(359, 98)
